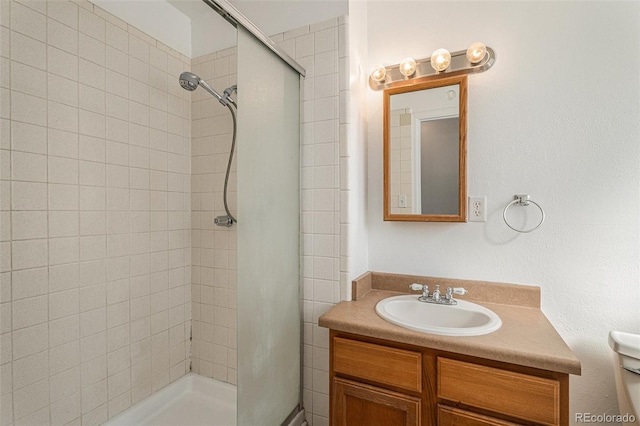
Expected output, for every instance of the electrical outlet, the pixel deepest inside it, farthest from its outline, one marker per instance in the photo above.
(477, 209)
(402, 201)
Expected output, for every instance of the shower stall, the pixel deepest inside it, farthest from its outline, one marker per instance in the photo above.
(150, 234)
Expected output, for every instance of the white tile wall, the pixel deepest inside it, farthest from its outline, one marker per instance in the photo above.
(95, 295)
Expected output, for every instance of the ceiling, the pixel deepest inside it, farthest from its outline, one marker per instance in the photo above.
(194, 29)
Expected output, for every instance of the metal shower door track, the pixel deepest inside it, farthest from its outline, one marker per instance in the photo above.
(235, 18)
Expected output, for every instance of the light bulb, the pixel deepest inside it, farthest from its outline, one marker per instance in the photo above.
(378, 73)
(476, 52)
(440, 59)
(407, 67)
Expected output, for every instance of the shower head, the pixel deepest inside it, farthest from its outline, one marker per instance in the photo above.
(190, 81)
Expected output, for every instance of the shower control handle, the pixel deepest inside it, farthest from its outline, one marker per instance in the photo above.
(223, 221)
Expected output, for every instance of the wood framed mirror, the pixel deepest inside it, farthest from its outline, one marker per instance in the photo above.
(425, 151)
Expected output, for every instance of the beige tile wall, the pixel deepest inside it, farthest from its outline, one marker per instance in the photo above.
(213, 247)
(94, 211)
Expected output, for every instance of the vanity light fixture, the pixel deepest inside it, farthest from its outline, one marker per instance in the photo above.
(476, 52)
(440, 59)
(407, 67)
(477, 58)
(378, 73)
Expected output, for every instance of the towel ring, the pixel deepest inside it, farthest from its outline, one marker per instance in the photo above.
(522, 200)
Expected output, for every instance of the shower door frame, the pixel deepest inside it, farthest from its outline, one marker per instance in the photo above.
(236, 18)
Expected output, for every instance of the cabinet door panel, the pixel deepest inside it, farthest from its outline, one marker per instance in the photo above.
(357, 404)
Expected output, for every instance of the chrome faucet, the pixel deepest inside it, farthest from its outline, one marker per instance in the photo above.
(436, 296)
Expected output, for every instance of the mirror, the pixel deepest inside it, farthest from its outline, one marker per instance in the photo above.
(425, 174)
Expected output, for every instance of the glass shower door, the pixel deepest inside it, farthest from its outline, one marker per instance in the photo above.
(268, 235)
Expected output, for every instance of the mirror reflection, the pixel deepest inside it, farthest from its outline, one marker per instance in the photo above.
(425, 178)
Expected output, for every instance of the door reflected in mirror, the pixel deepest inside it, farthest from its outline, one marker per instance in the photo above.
(425, 151)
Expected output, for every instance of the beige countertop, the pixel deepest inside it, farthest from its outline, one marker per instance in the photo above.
(526, 337)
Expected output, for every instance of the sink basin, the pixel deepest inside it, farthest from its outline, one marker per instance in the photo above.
(463, 319)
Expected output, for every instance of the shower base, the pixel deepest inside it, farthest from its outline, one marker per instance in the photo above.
(192, 400)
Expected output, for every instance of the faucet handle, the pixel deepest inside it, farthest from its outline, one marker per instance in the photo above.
(424, 288)
(459, 290)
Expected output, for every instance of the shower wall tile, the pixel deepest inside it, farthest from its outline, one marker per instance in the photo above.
(95, 229)
(65, 12)
(62, 37)
(91, 74)
(62, 90)
(26, 79)
(116, 37)
(91, 24)
(61, 63)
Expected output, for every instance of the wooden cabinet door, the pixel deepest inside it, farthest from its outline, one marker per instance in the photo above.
(357, 404)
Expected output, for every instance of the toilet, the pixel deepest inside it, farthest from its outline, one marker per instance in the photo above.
(626, 357)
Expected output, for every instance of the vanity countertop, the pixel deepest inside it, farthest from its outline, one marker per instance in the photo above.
(526, 337)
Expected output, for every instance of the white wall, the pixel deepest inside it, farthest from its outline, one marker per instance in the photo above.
(550, 119)
(355, 204)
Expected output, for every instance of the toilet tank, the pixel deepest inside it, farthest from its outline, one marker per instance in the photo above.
(626, 360)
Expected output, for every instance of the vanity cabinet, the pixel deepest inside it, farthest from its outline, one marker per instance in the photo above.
(378, 382)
